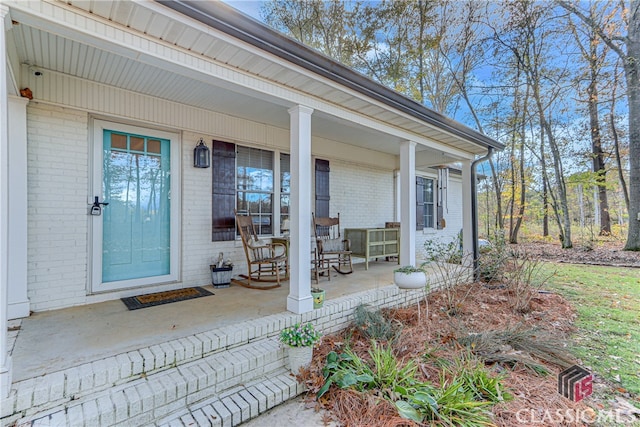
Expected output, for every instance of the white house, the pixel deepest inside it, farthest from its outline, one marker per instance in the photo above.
(106, 101)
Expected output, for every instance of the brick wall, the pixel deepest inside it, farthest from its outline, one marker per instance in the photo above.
(57, 206)
(363, 196)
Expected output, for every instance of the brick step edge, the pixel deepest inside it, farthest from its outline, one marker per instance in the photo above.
(240, 404)
(156, 396)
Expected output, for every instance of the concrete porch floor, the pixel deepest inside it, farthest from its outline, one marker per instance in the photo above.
(60, 339)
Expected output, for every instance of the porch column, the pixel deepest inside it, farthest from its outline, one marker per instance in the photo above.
(5, 360)
(17, 234)
(408, 203)
(467, 225)
(299, 299)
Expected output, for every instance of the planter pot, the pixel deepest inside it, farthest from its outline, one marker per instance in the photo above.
(299, 357)
(415, 280)
(220, 276)
(318, 298)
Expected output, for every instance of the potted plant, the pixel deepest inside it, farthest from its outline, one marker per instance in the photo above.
(298, 341)
(410, 277)
(318, 297)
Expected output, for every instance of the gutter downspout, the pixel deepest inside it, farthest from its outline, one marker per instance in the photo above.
(474, 210)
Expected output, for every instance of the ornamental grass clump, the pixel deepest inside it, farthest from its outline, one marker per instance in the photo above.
(300, 335)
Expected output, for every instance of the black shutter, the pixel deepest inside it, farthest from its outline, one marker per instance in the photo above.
(420, 182)
(224, 191)
(322, 188)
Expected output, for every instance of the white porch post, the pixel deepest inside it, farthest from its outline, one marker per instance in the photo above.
(299, 299)
(17, 234)
(467, 230)
(408, 203)
(5, 360)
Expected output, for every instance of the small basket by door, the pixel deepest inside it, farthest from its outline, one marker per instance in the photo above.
(220, 276)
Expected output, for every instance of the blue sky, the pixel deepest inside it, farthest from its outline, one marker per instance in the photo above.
(249, 7)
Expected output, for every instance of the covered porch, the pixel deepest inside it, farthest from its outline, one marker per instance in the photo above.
(168, 365)
(170, 74)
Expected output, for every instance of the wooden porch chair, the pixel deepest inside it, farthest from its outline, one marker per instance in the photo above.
(332, 249)
(266, 261)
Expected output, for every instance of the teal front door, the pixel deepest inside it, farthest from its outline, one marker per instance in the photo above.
(135, 226)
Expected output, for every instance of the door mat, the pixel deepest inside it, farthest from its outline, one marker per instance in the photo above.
(159, 298)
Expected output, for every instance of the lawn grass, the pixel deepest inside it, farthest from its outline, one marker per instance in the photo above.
(607, 301)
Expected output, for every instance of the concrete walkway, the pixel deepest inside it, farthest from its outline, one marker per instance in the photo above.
(294, 412)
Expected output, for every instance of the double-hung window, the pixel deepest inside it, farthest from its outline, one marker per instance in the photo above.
(431, 200)
(425, 203)
(254, 186)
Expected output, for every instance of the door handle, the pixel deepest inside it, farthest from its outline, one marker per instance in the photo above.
(96, 207)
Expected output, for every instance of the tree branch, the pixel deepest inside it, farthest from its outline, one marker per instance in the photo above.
(609, 41)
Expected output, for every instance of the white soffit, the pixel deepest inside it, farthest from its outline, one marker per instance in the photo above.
(73, 57)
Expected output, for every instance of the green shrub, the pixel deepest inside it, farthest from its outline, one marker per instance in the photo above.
(464, 396)
(374, 325)
(346, 370)
(389, 375)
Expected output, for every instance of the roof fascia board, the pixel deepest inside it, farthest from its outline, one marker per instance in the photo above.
(224, 18)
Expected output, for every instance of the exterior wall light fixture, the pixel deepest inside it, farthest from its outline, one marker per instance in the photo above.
(201, 155)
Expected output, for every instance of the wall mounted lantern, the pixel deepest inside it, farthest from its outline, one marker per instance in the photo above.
(201, 155)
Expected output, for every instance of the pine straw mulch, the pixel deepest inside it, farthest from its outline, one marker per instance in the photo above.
(603, 252)
(432, 330)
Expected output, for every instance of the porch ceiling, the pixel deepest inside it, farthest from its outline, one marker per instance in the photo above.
(57, 48)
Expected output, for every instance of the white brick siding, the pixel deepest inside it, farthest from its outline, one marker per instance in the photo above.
(57, 206)
(364, 196)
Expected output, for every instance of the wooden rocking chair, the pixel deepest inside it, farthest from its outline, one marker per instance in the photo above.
(266, 261)
(332, 249)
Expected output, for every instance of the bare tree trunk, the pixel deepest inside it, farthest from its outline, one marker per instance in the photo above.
(632, 69)
(545, 188)
(513, 230)
(523, 191)
(616, 146)
(616, 140)
(596, 141)
(580, 204)
(565, 228)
